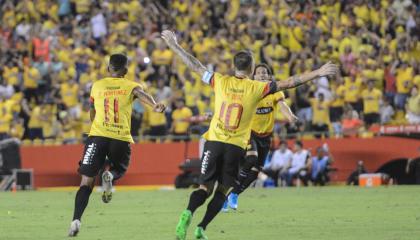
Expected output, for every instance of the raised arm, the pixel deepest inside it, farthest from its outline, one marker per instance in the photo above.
(297, 80)
(192, 63)
(287, 112)
(148, 99)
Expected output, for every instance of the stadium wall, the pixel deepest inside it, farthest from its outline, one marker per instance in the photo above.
(157, 164)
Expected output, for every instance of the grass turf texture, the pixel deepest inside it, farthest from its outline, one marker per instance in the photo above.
(294, 213)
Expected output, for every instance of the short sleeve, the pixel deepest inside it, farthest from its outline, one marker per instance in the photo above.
(209, 77)
(268, 88)
(279, 96)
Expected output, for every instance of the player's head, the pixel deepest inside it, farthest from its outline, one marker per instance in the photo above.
(244, 62)
(320, 151)
(262, 72)
(371, 83)
(298, 145)
(179, 103)
(283, 145)
(118, 64)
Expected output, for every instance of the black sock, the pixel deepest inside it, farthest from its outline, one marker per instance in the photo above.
(81, 201)
(246, 174)
(197, 198)
(244, 184)
(214, 207)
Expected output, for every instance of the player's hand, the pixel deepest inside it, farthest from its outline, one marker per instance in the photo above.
(159, 107)
(328, 69)
(169, 37)
(208, 115)
(293, 119)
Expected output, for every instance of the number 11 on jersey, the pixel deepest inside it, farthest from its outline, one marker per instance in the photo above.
(107, 111)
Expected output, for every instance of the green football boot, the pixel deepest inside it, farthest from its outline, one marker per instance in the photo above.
(184, 222)
(199, 233)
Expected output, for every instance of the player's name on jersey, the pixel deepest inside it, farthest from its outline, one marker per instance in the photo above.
(264, 110)
(112, 125)
(236, 90)
(115, 92)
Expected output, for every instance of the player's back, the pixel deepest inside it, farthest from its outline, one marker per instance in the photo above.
(112, 99)
(235, 103)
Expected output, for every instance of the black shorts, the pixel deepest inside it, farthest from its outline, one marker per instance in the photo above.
(262, 146)
(371, 118)
(220, 162)
(97, 149)
(336, 113)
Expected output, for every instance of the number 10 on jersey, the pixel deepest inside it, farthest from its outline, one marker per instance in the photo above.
(231, 115)
(107, 110)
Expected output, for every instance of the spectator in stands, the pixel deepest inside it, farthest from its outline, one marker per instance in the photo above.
(69, 92)
(404, 75)
(337, 107)
(181, 121)
(98, 24)
(300, 165)
(320, 164)
(280, 162)
(386, 111)
(413, 107)
(37, 117)
(353, 87)
(371, 101)
(6, 118)
(320, 116)
(304, 112)
(353, 179)
(351, 122)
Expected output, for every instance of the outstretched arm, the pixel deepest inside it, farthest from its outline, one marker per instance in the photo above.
(287, 112)
(192, 63)
(297, 80)
(148, 99)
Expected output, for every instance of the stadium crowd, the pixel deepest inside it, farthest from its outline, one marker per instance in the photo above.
(52, 51)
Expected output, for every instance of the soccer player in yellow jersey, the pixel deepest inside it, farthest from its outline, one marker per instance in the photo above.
(236, 100)
(261, 131)
(109, 136)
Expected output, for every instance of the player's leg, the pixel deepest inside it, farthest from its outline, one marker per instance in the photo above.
(209, 170)
(226, 182)
(92, 161)
(248, 170)
(119, 153)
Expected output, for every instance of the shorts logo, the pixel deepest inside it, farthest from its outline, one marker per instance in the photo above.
(90, 151)
(205, 163)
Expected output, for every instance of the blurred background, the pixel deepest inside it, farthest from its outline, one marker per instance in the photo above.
(52, 51)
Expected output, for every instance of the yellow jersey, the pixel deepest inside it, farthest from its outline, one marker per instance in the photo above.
(112, 99)
(69, 94)
(371, 100)
(321, 111)
(263, 120)
(179, 117)
(235, 103)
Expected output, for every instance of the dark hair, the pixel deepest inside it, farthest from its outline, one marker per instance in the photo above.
(118, 62)
(299, 143)
(243, 60)
(283, 142)
(264, 66)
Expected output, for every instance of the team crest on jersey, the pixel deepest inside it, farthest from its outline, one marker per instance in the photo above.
(264, 110)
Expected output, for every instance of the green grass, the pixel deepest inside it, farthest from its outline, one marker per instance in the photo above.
(295, 213)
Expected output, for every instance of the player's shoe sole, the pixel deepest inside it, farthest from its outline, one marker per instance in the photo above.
(199, 234)
(74, 228)
(183, 224)
(107, 186)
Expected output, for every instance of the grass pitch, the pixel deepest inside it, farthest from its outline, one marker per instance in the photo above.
(293, 213)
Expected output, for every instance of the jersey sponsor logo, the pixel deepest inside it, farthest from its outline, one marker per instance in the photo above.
(264, 110)
(235, 90)
(205, 163)
(90, 151)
